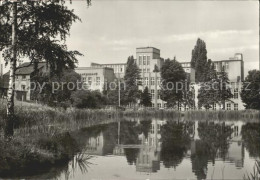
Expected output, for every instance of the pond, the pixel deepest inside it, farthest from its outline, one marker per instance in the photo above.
(163, 149)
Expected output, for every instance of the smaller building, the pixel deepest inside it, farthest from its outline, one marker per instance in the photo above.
(119, 68)
(96, 77)
(23, 79)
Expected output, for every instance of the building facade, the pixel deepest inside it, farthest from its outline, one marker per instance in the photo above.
(146, 59)
(95, 78)
(119, 68)
(23, 80)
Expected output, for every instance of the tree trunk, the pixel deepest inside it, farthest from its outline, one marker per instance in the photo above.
(9, 125)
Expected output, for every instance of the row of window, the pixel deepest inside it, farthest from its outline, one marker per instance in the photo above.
(144, 60)
(152, 81)
(89, 80)
(228, 106)
(153, 94)
(145, 70)
(23, 77)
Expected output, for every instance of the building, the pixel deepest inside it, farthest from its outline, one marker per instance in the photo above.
(146, 59)
(234, 67)
(23, 80)
(119, 68)
(96, 77)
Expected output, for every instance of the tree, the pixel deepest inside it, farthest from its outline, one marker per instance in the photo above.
(36, 30)
(64, 85)
(250, 93)
(88, 99)
(199, 60)
(173, 77)
(216, 90)
(224, 90)
(132, 77)
(146, 99)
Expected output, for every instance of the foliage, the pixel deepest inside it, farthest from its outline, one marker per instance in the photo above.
(250, 93)
(63, 85)
(215, 91)
(112, 93)
(173, 77)
(199, 60)
(251, 135)
(41, 32)
(132, 76)
(175, 142)
(146, 99)
(88, 99)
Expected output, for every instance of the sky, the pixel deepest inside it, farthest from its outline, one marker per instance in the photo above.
(111, 31)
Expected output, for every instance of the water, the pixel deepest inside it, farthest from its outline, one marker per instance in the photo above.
(161, 149)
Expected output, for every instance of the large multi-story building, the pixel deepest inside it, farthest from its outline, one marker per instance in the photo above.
(95, 77)
(119, 68)
(146, 59)
(234, 67)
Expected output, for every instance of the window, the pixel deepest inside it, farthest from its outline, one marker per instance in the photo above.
(23, 87)
(121, 69)
(236, 93)
(89, 80)
(84, 79)
(152, 92)
(159, 105)
(148, 60)
(158, 81)
(152, 104)
(226, 65)
(148, 70)
(158, 94)
(152, 81)
(228, 106)
(98, 81)
(17, 77)
(144, 60)
(24, 77)
(144, 70)
(165, 105)
(214, 106)
(236, 106)
(140, 60)
(146, 81)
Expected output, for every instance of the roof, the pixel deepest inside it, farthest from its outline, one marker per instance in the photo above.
(148, 48)
(26, 68)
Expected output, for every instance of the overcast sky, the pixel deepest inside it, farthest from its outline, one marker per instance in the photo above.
(111, 31)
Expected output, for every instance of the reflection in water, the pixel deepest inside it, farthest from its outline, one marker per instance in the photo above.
(146, 144)
(166, 148)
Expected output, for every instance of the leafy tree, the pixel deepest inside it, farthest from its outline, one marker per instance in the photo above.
(250, 93)
(88, 99)
(36, 30)
(173, 77)
(112, 93)
(217, 90)
(146, 99)
(224, 90)
(65, 84)
(199, 60)
(132, 76)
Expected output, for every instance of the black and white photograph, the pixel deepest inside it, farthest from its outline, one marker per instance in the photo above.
(129, 89)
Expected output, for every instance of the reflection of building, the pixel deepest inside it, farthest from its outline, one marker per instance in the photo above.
(95, 77)
(99, 144)
(148, 159)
